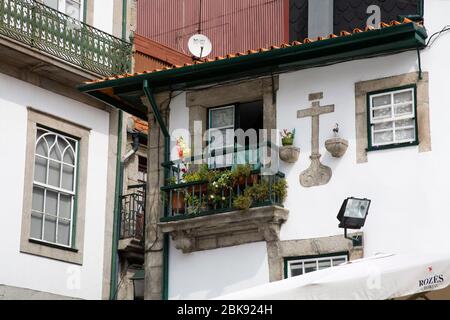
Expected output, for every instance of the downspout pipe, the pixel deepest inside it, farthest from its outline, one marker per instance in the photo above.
(151, 98)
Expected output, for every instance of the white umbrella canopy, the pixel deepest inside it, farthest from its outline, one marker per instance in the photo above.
(384, 276)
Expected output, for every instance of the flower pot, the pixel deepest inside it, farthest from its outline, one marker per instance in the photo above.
(289, 154)
(287, 141)
(336, 146)
(178, 202)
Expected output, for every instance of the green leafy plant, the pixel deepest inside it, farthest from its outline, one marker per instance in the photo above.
(242, 202)
(258, 192)
(193, 176)
(279, 189)
(287, 137)
(242, 170)
(193, 203)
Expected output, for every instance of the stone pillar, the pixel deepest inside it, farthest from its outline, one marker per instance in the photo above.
(154, 239)
(269, 89)
(275, 261)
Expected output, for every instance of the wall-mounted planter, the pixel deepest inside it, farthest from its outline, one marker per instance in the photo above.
(336, 146)
(289, 154)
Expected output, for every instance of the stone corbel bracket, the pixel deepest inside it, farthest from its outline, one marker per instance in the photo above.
(226, 229)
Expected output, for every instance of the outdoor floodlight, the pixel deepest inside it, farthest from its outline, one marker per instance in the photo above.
(353, 214)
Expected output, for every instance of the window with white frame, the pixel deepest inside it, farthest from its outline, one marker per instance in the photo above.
(221, 134)
(299, 266)
(392, 118)
(70, 7)
(54, 187)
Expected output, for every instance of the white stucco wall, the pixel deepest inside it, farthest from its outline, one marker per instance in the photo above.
(409, 190)
(212, 273)
(29, 271)
(103, 15)
(410, 209)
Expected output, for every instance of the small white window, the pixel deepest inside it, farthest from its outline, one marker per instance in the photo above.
(70, 7)
(392, 118)
(54, 188)
(221, 135)
(296, 267)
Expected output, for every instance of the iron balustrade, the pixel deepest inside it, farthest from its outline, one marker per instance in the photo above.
(133, 215)
(57, 34)
(186, 200)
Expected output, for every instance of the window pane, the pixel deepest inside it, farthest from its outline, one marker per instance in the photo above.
(338, 261)
(403, 97)
(41, 148)
(296, 269)
(52, 3)
(36, 226)
(222, 117)
(381, 100)
(310, 266)
(404, 134)
(404, 123)
(65, 206)
(383, 125)
(38, 199)
(69, 156)
(63, 232)
(55, 153)
(50, 229)
(51, 202)
(382, 113)
(73, 9)
(40, 170)
(383, 137)
(404, 110)
(324, 264)
(296, 272)
(54, 174)
(67, 178)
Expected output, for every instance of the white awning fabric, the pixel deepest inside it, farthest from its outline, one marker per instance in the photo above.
(383, 276)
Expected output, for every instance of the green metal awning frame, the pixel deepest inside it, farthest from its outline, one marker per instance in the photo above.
(125, 92)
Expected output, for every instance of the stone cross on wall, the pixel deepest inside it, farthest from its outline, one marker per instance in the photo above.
(317, 174)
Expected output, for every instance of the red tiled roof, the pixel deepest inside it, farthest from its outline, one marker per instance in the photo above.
(259, 50)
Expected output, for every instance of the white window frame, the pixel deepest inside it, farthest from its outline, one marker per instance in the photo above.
(317, 259)
(59, 190)
(225, 146)
(62, 5)
(392, 118)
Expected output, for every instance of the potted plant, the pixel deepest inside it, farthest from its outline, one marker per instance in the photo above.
(336, 146)
(243, 173)
(242, 202)
(287, 152)
(287, 137)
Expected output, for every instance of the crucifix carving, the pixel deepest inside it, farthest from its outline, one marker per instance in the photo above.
(317, 174)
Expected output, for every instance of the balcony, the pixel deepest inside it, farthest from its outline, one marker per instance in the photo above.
(35, 25)
(132, 223)
(214, 205)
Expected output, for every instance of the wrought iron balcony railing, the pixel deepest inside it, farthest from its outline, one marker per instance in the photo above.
(133, 215)
(195, 190)
(57, 34)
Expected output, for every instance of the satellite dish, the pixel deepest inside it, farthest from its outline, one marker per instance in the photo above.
(199, 45)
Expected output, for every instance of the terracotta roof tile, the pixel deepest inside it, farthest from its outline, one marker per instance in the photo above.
(260, 50)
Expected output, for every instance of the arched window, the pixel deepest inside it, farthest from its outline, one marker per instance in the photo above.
(54, 187)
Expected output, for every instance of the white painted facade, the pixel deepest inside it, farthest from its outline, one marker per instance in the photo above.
(34, 272)
(410, 210)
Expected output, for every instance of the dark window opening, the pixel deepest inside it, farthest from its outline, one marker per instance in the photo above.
(142, 169)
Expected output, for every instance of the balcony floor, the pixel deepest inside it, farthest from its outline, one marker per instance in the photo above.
(226, 229)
